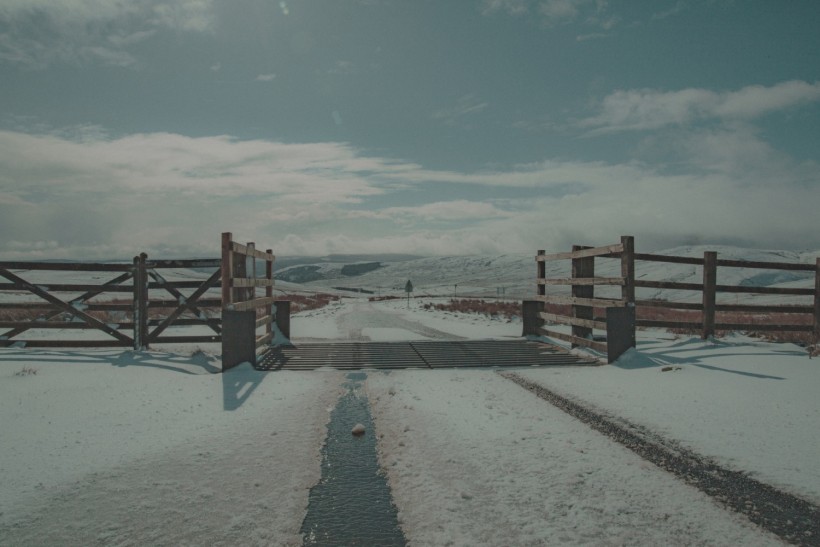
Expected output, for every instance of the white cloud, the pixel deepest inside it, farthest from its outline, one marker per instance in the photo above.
(43, 32)
(97, 196)
(467, 105)
(440, 211)
(646, 109)
(266, 77)
(557, 12)
(513, 7)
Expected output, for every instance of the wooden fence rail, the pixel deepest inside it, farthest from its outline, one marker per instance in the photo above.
(136, 318)
(242, 311)
(583, 302)
(619, 325)
(60, 307)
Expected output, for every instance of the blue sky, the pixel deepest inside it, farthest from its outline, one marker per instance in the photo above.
(412, 126)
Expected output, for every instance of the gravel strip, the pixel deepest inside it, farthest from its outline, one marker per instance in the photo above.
(791, 518)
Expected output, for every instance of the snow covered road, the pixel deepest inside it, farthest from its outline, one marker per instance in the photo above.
(111, 447)
(473, 459)
(147, 452)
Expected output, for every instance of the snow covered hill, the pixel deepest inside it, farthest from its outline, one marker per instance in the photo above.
(513, 275)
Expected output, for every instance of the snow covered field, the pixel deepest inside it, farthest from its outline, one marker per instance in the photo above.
(114, 447)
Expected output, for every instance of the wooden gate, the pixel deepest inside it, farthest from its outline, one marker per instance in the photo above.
(135, 320)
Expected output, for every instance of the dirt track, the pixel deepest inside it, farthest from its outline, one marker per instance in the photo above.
(791, 518)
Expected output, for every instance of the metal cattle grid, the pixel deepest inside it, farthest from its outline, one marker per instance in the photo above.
(423, 354)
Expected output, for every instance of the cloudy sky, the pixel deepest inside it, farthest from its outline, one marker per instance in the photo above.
(412, 126)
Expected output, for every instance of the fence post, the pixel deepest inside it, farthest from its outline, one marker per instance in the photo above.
(140, 303)
(136, 304)
(269, 290)
(628, 269)
(709, 293)
(227, 270)
(620, 322)
(283, 317)
(250, 271)
(582, 267)
(531, 308)
(816, 304)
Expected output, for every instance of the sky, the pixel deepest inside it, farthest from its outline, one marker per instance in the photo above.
(432, 127)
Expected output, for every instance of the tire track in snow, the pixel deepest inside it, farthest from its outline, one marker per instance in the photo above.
(791, 518)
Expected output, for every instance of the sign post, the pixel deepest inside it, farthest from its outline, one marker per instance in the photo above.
(408, 288)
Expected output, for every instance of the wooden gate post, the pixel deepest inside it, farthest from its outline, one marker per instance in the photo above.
(227, 270)
(283, 317)
(250, 271)
(140, 303)
(135, 311)
(709, 293)
(531, 309)
(582, 267)
(269, 291)
(628, 288)
(816, 304)
(628, 269)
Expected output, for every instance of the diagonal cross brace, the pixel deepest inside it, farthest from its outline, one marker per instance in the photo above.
(78, 300)
(93, 321)
(184, 303)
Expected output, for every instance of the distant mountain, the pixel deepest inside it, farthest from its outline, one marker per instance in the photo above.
(513, 275)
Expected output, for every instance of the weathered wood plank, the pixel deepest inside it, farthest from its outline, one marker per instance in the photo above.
(594, 302)
(579, 281)
(668, 258)
(647, 284)
(245, 250)
(586, 252)
(762, 308)
(227, 269)
(264, 321)
(65, 343)
(597, 346)
(816, 334)
(186, 303)
(628, 269)
(180, 284)
(709, 288)
(192, 263)
(576, 321)
(792, 266)
(187, 339)
(763, 327)
(79, 299)
(252, 304)
(764, 290)
(74, 310)
(245, 282)
(201, 303)
(582, 268)
(269, 293)
(66, 266)
(651, 323)
(671, 305)
(68, 287)
(264, 339)
(73, 325)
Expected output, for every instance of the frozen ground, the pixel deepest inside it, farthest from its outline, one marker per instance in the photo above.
(114, 447)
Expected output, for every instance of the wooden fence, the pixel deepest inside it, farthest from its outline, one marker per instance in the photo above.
(133, 316)
(243, 313)
(126, 321)
(626, 313)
